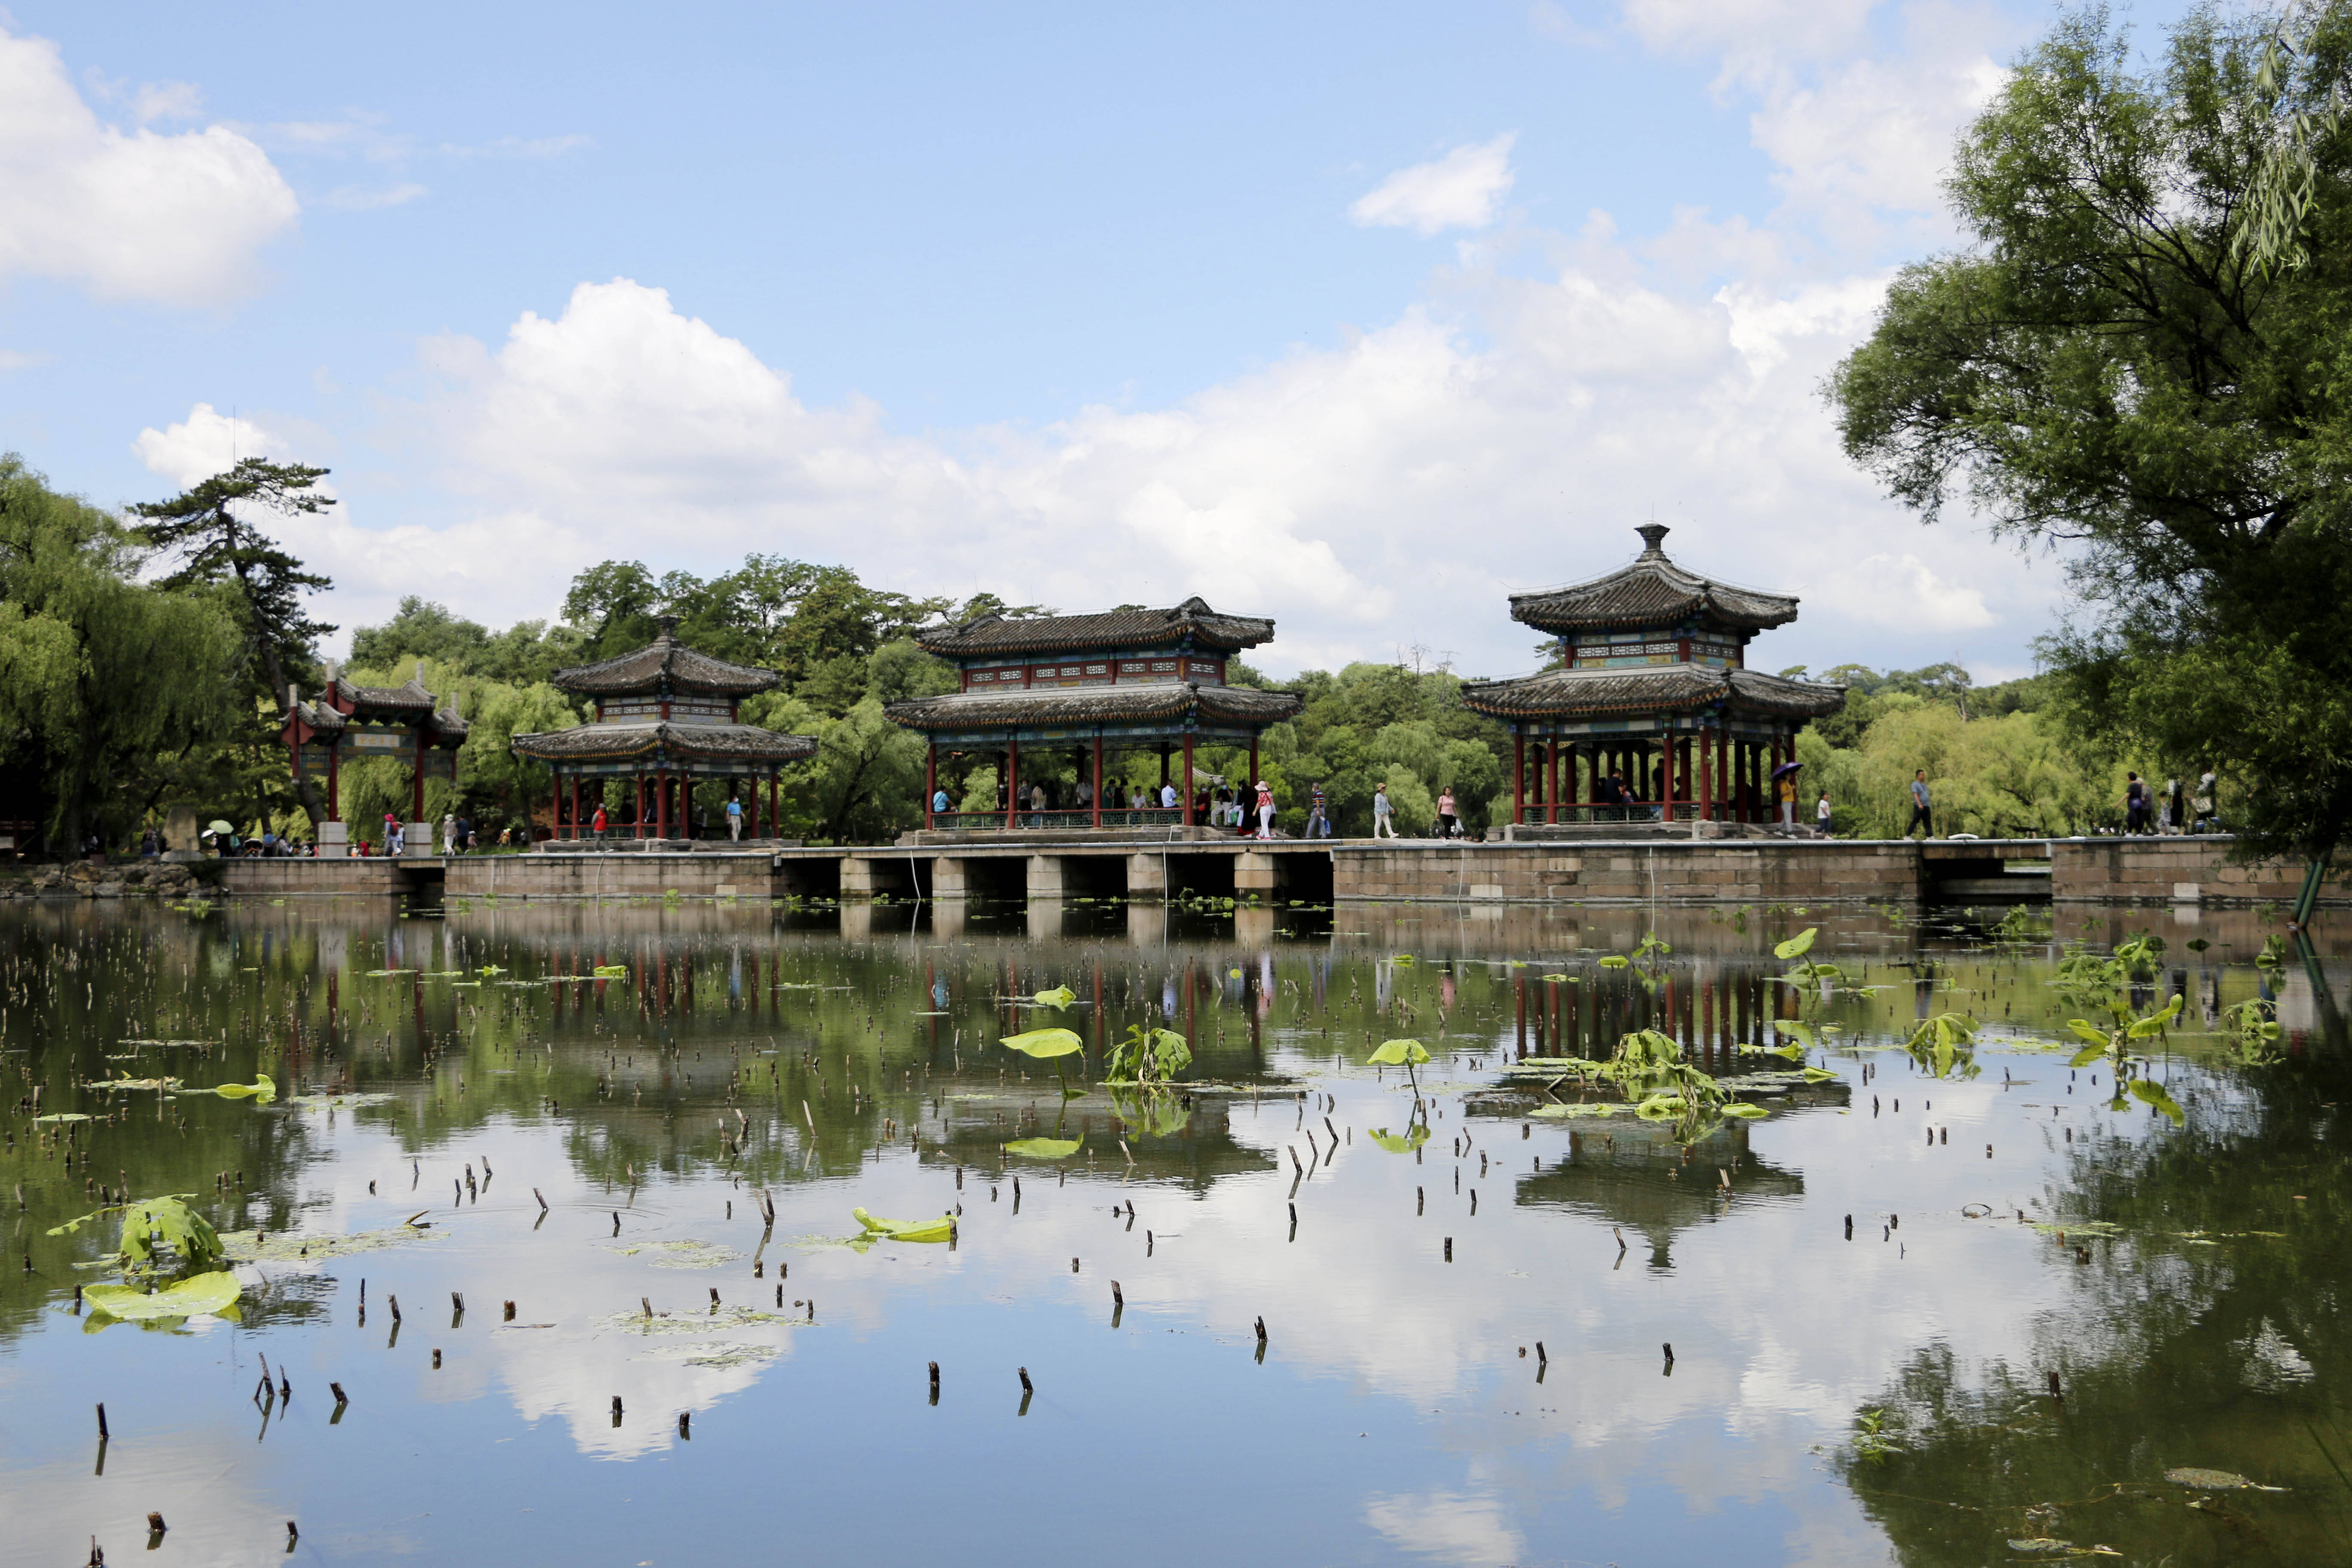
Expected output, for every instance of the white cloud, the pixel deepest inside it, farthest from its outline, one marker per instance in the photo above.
(1460, 190)
(176, 220)
(1904, 591)
(206, 443)
(1452, 1527)
(167, 101)
(366, 198)
(13, 359)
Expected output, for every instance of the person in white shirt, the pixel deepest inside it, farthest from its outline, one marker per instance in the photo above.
(1168, 797)
(1382, 812)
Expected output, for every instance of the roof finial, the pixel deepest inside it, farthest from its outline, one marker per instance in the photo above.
(1653, 539)
(668, 625)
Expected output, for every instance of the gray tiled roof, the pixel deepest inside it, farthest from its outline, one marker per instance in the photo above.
(699, 742)
(1108, 628)
(664, 657)
(1141, 702)
(1651, 590)
(1659, 689)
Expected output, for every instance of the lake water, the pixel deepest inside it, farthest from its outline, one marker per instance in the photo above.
(1465, 1328)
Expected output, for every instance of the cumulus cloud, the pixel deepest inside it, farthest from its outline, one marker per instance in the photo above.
(1384, 492)
(1460, 190)
(206, 443)
(176, 220)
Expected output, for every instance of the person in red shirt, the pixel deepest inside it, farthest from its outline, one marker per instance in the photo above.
(596, 824)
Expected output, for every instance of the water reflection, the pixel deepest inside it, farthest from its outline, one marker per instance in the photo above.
(656, 1074)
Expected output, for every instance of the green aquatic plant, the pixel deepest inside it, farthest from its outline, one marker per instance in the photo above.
(1147, 1056)
(1407, 1054)
(2253, 1031)
(1415, 1134)
(213, 1293)
(1945, 1043)
(1045, 1148)
(1059, 998)
(158, 1234)
(940, 1230)
(261, 1091)
(2114, 1043)
(1048, 1044)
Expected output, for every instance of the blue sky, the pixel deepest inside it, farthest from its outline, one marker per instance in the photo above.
(1359, 316)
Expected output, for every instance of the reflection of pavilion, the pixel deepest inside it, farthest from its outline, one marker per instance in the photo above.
(1632, 1175)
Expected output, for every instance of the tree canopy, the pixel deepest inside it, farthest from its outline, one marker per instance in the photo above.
(2106, 372)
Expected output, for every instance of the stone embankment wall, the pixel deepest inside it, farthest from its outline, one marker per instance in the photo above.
(1668, 871)
(697, 874)
(2155, 870)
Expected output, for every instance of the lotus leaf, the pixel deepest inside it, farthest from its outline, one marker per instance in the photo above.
(261, 1091)
(1798, 945)
(1592, 1108)
(1615, 961)
(1415, 1137)
(198, 1293)
(2214, 1480)
(1045, 1044)
(1046, 1148)
(1058, 997)
(63, 1116)
(939, 1229)
(1400, 1053)
(611, 971)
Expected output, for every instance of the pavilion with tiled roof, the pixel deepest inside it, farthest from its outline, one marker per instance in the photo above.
(666, 715)
(1653, 687)
(347, 721)
(1094, 686)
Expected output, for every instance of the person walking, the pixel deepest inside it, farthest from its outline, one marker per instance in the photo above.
(1383, 813)
(1922, 806)
(2208, 819)
(2136, 803)
(1446, 824)
(1821, 815)
(597, 825)
(448, 832)
(734, 820)
(1788, 791)
(1318, 825)
(1264, 809)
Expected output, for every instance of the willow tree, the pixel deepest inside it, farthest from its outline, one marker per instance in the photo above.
(216, 547)
(107, 684)
(2110, 371)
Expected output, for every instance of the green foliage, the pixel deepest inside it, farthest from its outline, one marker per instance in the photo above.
(2116, 1040)
(1944, 1044)
(116, 695)
(215, 1294)
(1148, 1056)
(1045, 1148)
(939, 1229)
(2111, 364)
(158, 1234)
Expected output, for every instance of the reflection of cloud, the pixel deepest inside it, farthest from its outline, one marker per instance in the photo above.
(1453, 1527)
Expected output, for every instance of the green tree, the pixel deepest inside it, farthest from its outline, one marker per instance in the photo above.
(108, 685)
(266, 584)
(2110, 371)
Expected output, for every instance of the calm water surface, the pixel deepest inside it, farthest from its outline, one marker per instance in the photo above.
(1882, 1397)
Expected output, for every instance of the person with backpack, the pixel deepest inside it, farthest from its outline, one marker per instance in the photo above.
(2136, 803)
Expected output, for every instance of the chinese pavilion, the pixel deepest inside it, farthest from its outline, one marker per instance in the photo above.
(1653, 688)
(1040, 689)
(404, 723)
(665, 716)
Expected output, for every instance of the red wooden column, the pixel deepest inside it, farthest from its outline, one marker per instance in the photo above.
(1184, 796)
(575, 808)
(1703, 743)
(334, 755)
(1666, 776)
(1552, 791)
(930, 782)
(775, 822)
(661, 805)
(1098, 779)
(1012, 781)
(555, 805)
(1519, 778)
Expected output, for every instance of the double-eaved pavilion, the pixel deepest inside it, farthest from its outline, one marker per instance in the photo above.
(666, 715)
(1037, 690)
(1653, 688)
